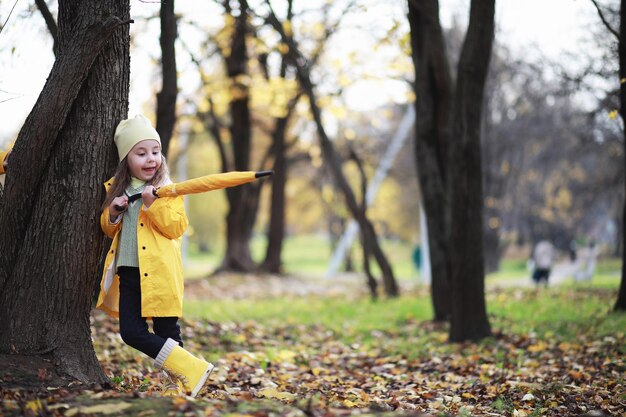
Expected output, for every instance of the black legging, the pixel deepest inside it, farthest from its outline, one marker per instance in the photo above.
(133, 327)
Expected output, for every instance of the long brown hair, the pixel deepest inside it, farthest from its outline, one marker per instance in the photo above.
(121, 180)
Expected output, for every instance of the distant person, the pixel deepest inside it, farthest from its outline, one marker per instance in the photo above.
(543, 258)
(588, 261)
(417, 257)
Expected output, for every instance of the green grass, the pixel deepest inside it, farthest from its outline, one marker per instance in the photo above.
(359, 316)
(561, 312)
(306, 255)
(510, 269)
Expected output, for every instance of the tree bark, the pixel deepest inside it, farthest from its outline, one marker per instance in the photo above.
(469, 315)
(620, 304)
(166, 98)
(433, 90)
(52, 244)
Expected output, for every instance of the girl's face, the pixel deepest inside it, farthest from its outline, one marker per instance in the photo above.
(144, 159)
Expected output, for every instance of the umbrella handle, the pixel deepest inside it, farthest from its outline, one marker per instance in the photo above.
(260, 174)
(134, 197)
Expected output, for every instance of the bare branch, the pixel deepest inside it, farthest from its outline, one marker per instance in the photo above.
(50, 23)
(604, 21)
(8, 99)
(9, 16)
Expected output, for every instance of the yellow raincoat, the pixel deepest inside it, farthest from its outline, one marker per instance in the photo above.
(159, 232)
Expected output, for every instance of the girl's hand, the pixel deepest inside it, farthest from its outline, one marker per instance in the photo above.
(121, 201)
(147, 196)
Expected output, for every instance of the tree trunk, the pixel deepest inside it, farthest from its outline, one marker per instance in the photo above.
(52, 243)
(366, 244)
(620, 304)
(276, 233)
(371, 282)
(166, 98)
(469, 314)
(242, 207)
(433, 86)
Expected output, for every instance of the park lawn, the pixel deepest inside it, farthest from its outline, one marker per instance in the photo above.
(562, 313)
(303, 255)
(510, 269)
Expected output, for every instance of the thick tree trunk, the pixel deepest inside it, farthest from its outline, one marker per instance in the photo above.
(620, 304)
(433, 89)
(469, 314)
(242, 207)
(166, 98)
(51, 246)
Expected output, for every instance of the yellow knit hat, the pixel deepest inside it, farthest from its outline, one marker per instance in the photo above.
(132, 131)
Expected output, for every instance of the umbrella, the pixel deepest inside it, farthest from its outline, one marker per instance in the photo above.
(210, 183)
(204, 184)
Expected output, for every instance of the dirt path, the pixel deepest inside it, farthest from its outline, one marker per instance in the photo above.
(254, 286)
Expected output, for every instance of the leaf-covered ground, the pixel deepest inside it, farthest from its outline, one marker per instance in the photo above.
(291, 369)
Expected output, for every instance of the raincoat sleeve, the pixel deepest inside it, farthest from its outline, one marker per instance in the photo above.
(109, 229)
(168, 217)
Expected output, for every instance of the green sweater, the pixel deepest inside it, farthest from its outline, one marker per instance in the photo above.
(127, 247)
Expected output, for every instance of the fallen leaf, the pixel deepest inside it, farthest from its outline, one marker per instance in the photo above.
(274, 393)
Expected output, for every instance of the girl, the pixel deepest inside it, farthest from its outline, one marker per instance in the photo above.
(142, 275)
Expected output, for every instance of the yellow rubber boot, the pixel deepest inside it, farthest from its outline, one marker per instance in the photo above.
(191, 371)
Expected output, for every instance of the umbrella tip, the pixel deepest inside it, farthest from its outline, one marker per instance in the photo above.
(260, 174)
